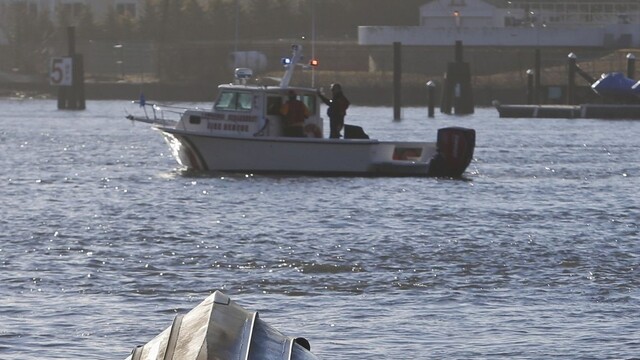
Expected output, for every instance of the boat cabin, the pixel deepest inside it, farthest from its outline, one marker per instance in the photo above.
(251, 110)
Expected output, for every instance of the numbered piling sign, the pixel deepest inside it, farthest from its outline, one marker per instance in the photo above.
(61, 71)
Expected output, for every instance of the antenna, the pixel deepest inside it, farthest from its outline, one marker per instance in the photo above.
(313, 41)
(235, 42)
(291, 65)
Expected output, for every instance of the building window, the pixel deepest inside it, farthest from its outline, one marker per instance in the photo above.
(33, 10)
(124, 9)
(72, 9)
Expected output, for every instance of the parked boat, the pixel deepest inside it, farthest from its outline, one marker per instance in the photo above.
(617, 87)
(218, 328)
(243, 132)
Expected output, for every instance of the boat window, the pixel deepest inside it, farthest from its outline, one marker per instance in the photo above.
(244, 101)
(310, 101)
(273, 105)
(226, 101)
(234, 101)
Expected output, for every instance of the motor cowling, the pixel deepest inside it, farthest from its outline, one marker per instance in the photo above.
(455, 151)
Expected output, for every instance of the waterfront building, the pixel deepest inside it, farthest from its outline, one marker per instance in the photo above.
(542, 23)
(13, 12)
(71, 8)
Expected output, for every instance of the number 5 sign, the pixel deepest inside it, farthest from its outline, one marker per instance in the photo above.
(61, 71)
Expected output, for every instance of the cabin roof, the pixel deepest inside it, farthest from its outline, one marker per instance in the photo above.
(266, 89)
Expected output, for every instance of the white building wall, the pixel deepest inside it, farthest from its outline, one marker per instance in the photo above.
(477, 23)
(451, 13)
(491, 36)
(462, 21)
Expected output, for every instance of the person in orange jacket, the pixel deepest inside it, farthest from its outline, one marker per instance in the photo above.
(294, 112)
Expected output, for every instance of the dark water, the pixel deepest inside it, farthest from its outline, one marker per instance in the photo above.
(535, 256)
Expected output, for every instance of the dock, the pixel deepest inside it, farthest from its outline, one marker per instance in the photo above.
(584, 111)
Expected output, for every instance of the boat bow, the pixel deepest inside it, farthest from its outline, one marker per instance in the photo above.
(218, 328)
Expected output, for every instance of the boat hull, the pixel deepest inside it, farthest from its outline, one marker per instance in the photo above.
(219, 328)
(300, 155)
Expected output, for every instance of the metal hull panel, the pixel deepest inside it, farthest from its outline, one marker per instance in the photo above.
(218, 328)
(297, 155)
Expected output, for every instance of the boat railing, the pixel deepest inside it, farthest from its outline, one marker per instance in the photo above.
(161, 114)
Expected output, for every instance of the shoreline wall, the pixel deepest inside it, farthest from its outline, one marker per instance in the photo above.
(363, 95)
(197, 69)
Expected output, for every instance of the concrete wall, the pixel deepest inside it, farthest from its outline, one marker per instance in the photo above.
(472, 13)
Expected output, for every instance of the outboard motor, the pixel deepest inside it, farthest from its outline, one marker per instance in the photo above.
(354, 132)
(455, 151)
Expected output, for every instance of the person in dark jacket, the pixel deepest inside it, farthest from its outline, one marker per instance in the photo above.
(337, 110)
(294, 112)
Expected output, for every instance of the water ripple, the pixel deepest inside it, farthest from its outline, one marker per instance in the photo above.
(534, 255)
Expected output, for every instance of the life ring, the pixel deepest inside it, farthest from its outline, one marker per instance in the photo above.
(312, 130)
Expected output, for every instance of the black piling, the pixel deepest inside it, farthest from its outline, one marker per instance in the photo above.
(397, 80)
(631, 65)
(537, 70)
(71, 97)
(431, 98)
(457, 91)
(572, 64)
(530, 87)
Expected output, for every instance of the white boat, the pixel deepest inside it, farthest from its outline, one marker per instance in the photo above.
(218, 328)
(243, 133)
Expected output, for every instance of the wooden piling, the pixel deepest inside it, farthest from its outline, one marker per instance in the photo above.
(537, 70)
(457, 91)
(71, 97)
(572, 64)
(530, 86)
(431, 98)
(397, 80)
(631, 65)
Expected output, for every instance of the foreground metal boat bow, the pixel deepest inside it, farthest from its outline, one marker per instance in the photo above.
(218, 329)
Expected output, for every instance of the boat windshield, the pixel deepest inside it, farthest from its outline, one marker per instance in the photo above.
(234, 101)
(274, 102)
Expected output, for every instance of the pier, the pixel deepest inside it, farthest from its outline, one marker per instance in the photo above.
(584, 111)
